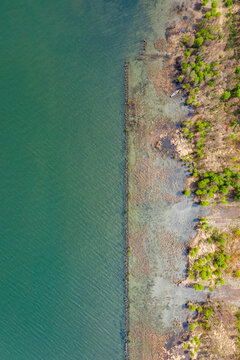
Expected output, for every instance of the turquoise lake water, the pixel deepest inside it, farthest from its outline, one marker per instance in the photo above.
(62, 184)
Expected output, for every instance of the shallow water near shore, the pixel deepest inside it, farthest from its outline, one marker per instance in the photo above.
(161, 220)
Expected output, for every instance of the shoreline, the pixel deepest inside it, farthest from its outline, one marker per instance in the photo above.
(153, 345)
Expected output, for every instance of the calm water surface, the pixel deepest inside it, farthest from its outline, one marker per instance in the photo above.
(61, 91)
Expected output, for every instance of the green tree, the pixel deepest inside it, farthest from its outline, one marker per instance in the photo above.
(226, 95)
(204, 203)
(214, 4)
(198, 42)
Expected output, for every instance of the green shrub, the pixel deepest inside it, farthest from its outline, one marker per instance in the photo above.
(237, 71)
(236, 93)
(204, 203)
(180, 79)
(208, 15)
(228, 3)
(192, 327)
(205, 2)
(214, 4)
(213, 12)
(186, 38)
(237, 274)
(192, 307)
(208, 313)
(187, 192)
(210, 83)
(226, 95)
(187, 53)
(198, 42)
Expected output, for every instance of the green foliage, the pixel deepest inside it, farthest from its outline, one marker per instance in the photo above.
(187, 53)
(205, 2)
(198, 42)
(208, 313)
(237, 71)
(192, 307)
(237, 274)
(210, 83)
(219, 261)
(228, 2)
(214, 4)
(226, 95)
(233, 124)
(186, 38)
(180, 79)
(236, 93)
(194, 251)
(192, 327)
(213, 12)
(187, 192)
(204, 203)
